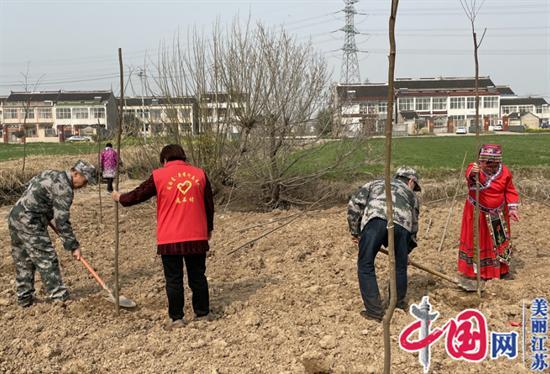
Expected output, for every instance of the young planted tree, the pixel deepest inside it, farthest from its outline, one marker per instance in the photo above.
(472, 8)
(389, 200)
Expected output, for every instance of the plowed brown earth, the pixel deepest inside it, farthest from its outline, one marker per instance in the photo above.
(289, 303)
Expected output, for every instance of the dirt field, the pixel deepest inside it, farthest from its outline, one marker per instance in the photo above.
(290, 303)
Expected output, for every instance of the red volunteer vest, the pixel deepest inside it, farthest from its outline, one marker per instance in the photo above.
(181, 216)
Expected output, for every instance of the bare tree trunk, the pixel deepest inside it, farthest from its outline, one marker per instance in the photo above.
(27, 106)
(472, 9)
(117, 177)
(476, 211)
(389, 200)
(99, 171)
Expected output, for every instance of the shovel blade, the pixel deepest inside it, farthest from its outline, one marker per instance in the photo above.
(469, 285)
(122, 301)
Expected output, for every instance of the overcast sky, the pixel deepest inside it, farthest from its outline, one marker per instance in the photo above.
(72, 44)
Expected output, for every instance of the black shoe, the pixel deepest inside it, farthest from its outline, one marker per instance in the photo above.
(403, 305)
(209, 317)
(372, 316)
(25, 303)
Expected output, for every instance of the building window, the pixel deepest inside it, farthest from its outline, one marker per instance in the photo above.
(80, 113)
(98, 113)
(29, 111)
(458, 102)
(63, 113)
(539, 110)
(10, 113)
(363, 109)
(471, 102)
(440, 122)
(439, 103)
(155, 114)
(185, 113)
(493, 119)
(458, 121)
(382, 107)
(44, 113)
(490, 102)
(30, 132)
(507, 109)
(172, 114)
(50, 132)
(406, 103)
(422, 103)
(525, 108)
(129, 113)
(140, 113)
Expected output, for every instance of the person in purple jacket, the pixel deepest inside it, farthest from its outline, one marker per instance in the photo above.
(109, 160)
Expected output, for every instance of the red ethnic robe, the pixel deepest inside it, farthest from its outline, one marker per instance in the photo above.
(497, 195)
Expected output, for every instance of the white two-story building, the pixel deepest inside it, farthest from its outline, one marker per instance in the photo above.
(439, 105)
(52, 116)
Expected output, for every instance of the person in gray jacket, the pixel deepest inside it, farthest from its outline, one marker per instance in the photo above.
(48, 197)
(368, 226)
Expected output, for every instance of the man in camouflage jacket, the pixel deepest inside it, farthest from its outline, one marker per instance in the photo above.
(48, 197)
(368, 225)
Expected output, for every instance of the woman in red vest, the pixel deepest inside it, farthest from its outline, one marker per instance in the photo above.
(185, 220)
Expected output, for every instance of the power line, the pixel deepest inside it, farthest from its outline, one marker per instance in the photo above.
(453, 52)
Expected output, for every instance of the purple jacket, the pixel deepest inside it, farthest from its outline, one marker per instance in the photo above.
(109, 160)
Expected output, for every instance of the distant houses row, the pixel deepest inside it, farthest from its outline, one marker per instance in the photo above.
(437, 105)
(56, 115)
(426, 105)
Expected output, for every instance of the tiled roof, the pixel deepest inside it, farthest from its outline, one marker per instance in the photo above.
(374, 91)
(505, 91)
(380, 90)
(148, 101)
(57, 96)
(537, 101)
(442, 83)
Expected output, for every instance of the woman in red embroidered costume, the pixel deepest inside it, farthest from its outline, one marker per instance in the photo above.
(498, 202)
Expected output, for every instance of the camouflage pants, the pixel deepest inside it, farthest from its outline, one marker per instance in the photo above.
(33, 250)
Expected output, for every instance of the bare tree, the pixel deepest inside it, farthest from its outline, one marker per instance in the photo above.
(29, 88)
(256, 90)
(389, 200)
(472, 8)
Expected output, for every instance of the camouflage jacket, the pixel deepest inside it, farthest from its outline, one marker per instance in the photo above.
(370, 202)
(49, 196)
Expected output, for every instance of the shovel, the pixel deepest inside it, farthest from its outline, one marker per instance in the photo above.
(465, 286)
(122, 301)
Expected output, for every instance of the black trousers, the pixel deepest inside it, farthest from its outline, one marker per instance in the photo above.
(109, 184)
(173, 273)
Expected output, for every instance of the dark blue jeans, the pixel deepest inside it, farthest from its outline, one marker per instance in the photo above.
(373, 236)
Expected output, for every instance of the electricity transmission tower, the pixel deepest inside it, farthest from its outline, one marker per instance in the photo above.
(350, 63)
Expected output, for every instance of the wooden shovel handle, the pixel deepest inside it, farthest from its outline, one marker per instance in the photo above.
(426, 269)
(85, 263)
(94, 274)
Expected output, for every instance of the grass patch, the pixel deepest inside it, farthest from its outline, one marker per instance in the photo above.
(15, 151)
(432, 156)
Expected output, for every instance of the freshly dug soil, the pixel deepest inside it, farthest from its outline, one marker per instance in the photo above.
(289, 303)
